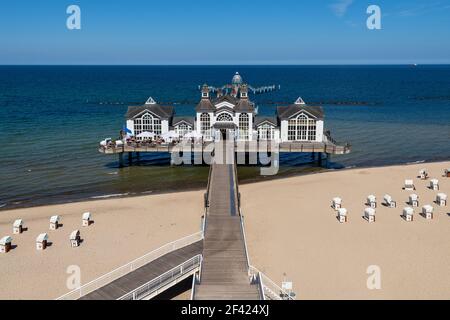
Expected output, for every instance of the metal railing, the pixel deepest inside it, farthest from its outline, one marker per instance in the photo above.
(270, 290)
(208, 187)
(236, 184)
(173, 275)
(245, 239)
(131, 266)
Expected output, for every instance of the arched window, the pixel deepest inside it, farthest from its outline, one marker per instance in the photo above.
(205, 125)
(243, 126)
(147, 123)
(266, 132)
(224, 117)
(302, 128)
(182, 129)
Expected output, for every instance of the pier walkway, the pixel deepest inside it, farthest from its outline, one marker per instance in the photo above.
(136, 279)
(146, 276)
(225, 270)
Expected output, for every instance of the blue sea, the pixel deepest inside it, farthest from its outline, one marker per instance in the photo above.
(52, 118)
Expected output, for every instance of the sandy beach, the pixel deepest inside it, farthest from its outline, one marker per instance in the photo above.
(290, 229)
(123, 230)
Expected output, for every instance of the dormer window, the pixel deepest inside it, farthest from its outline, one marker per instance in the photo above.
(150, 100)
(300, 101)
(205, 95)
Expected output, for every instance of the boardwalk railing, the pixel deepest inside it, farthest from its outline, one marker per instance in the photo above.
(245, 239)
(172, 276)
(208, 187)
(131, 266)
(270, 290)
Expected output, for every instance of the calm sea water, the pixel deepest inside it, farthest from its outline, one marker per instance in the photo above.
(51, 119)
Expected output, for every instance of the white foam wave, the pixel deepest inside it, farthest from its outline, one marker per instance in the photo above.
(111, 195)
(416, 162)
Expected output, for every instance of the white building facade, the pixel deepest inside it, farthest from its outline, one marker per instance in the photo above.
(229, 116)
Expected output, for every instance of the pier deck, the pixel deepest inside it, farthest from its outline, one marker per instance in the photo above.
(320, 147)
(224, 273)
(144, 274)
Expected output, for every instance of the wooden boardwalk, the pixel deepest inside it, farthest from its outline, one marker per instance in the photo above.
(139, 277)
(224, 273)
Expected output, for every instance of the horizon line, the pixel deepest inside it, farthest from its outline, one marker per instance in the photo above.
(228, 65)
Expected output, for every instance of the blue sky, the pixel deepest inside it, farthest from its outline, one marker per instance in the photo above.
(231, 32)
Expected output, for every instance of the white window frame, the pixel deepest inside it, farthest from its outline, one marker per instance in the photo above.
(302, 128)
(244, 126)
(220, 117)
(266, 131)
(147, 122)
(183, 128)
(205, 125)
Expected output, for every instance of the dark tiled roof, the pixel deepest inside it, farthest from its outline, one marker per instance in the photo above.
(287, 112)
(204, 105)
(230, 110)
(245, 105)
(226, 98)
(163, 112)
(189, 120)
(260, 119)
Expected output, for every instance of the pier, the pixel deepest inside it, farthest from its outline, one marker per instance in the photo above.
(319, 150)
(231, 115)
(216, 258)
(295, 147)
(225, 132)
(225, 269)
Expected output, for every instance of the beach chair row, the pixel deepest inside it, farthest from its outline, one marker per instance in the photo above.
(371, 203)
(42, 240)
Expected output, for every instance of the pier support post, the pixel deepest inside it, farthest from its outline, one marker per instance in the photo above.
(319, 158)
(130, 158)
(121, 160)
(138, 156)
(327, 160)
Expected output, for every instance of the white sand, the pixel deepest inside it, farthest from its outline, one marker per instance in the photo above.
(124, 230)
(291, 229)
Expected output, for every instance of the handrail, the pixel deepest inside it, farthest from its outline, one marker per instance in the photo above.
(245, 240)
(129, 267)
(196, 279)
(208, 186)
(236, 184)
(194, 282)
(273, 290)
(261, 286)
(167, 277)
